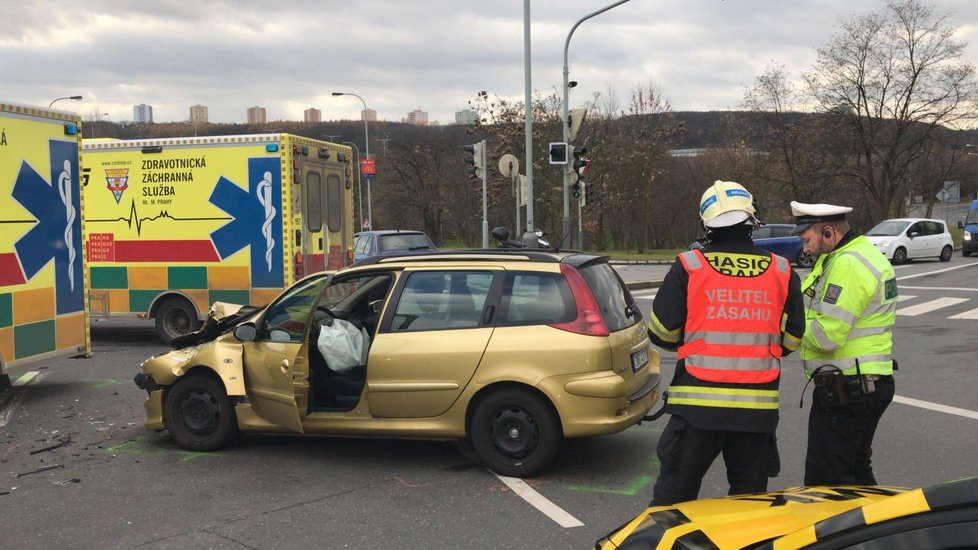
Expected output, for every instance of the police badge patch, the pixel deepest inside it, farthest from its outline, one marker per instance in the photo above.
(832, 293)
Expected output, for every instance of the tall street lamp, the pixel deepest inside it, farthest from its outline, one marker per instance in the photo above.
(366, 139)
(359, 188)
(74, 97)
(565, 123)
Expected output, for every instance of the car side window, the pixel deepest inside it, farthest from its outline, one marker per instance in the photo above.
(781, 232)
(285, 320)
(436, 300)
(936, 228)
(762, 233)
(360, 246)
(536, 298)
(916, 228)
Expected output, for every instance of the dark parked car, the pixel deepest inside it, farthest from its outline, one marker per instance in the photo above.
(776, 238)
(391, 242)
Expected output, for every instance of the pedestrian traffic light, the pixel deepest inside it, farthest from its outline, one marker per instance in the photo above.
(576, 190)
(475, 156)
(558, 152)
(581, 164)
(588, 193)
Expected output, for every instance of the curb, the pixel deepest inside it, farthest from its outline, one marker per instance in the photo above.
(642, 285)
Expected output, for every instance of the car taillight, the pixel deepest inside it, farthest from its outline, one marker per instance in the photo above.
(349, 256)
(588, 320)
(298, 265)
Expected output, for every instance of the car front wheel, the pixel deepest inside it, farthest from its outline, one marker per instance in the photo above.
(515, 432)
(946, 253)
(899, 256)
(198, 414)
(805, 260)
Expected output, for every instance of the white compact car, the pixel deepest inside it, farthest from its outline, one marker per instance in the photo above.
(903, 239)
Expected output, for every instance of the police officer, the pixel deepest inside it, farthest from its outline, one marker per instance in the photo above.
(850, 298)
(731, 310)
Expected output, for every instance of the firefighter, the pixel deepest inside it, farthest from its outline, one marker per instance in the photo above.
(850, 308)
(731, 310)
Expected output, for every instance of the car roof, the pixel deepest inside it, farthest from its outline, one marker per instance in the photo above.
(777, 225)
(390, 232)
(912, 220)
(487, 255)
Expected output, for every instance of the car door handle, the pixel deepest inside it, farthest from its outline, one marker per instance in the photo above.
(487, 316)
(285, 365)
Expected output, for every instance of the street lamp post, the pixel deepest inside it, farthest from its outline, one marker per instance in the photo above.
(73, 97)
(366, 139)
(565, 124)
(97, 117)
(359, 188)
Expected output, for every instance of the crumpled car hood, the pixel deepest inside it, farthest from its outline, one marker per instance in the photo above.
(221, 318)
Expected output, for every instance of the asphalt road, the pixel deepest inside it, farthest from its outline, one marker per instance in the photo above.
(114, 484)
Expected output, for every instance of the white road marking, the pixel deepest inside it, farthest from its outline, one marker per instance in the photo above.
(936, 407)
(644, 293)
(540, 502)
(973, 314)
(903, 297)
(25, 378)
(930, 306)
(915, 275)
(939, 288)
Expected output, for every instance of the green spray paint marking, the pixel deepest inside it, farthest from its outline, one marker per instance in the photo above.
(137, 447)
(631, 490)
(100, 382)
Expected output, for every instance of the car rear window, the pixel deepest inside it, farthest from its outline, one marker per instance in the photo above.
(403, 242)
(616, 303)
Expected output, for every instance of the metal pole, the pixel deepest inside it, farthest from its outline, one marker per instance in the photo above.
(516, 192)
(528, 116)
(359, 187)
(485, 196)
(565, 124)
(366, 139)
(74, 97)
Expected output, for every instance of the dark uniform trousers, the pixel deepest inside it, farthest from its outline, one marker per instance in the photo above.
(686, 453)
(840, 440)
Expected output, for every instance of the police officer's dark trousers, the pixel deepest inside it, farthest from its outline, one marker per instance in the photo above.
(840, 440)
(686, 453)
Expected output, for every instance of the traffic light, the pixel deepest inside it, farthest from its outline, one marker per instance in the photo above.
(588, 193)
(475, 156)
(576, 190)
(581, 164)
(574, 120)
(558, 152)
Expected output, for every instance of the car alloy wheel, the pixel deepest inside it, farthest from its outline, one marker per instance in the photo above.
(805, 260)
(900, 255)
(198, 413)
(515, 432)
(946, 253)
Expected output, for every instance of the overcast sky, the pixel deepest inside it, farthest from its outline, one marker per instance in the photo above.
(400, 55)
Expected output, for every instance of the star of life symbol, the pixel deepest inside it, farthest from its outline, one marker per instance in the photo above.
(117, 181)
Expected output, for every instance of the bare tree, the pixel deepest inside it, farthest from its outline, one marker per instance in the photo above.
(898, 77)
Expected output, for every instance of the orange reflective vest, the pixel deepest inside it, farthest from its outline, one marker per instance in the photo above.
(733, 324)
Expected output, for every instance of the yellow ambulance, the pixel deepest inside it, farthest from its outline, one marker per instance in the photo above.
(42, 265)
(174, 225)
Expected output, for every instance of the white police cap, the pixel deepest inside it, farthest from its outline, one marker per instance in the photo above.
(807, 214)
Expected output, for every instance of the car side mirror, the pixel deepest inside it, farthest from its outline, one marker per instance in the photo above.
(960, 224)
(376, 306)
(914, 234)
(246, 332)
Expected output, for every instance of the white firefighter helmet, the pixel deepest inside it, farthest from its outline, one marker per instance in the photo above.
(726, 203)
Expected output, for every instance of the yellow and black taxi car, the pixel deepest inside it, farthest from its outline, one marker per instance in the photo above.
(885, 518)
(513, 350)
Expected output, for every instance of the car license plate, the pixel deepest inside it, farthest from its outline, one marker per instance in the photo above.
(639, 359)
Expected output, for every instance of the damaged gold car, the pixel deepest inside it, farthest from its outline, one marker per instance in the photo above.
(511, 350)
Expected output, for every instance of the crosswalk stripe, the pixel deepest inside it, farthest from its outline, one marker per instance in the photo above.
(25, 378)
(973, 314)
(903, 297)
(930, 306)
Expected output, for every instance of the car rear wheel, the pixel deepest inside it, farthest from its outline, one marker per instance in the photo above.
(175, 317)
(198, 414)
(515, 432)
(805, 260)
(946, 253)
(899, 256)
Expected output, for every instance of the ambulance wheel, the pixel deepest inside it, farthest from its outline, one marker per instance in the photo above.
(175, 317)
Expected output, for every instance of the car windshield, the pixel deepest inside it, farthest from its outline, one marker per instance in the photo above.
(889, 228)
(972, 216)
(403, 241)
